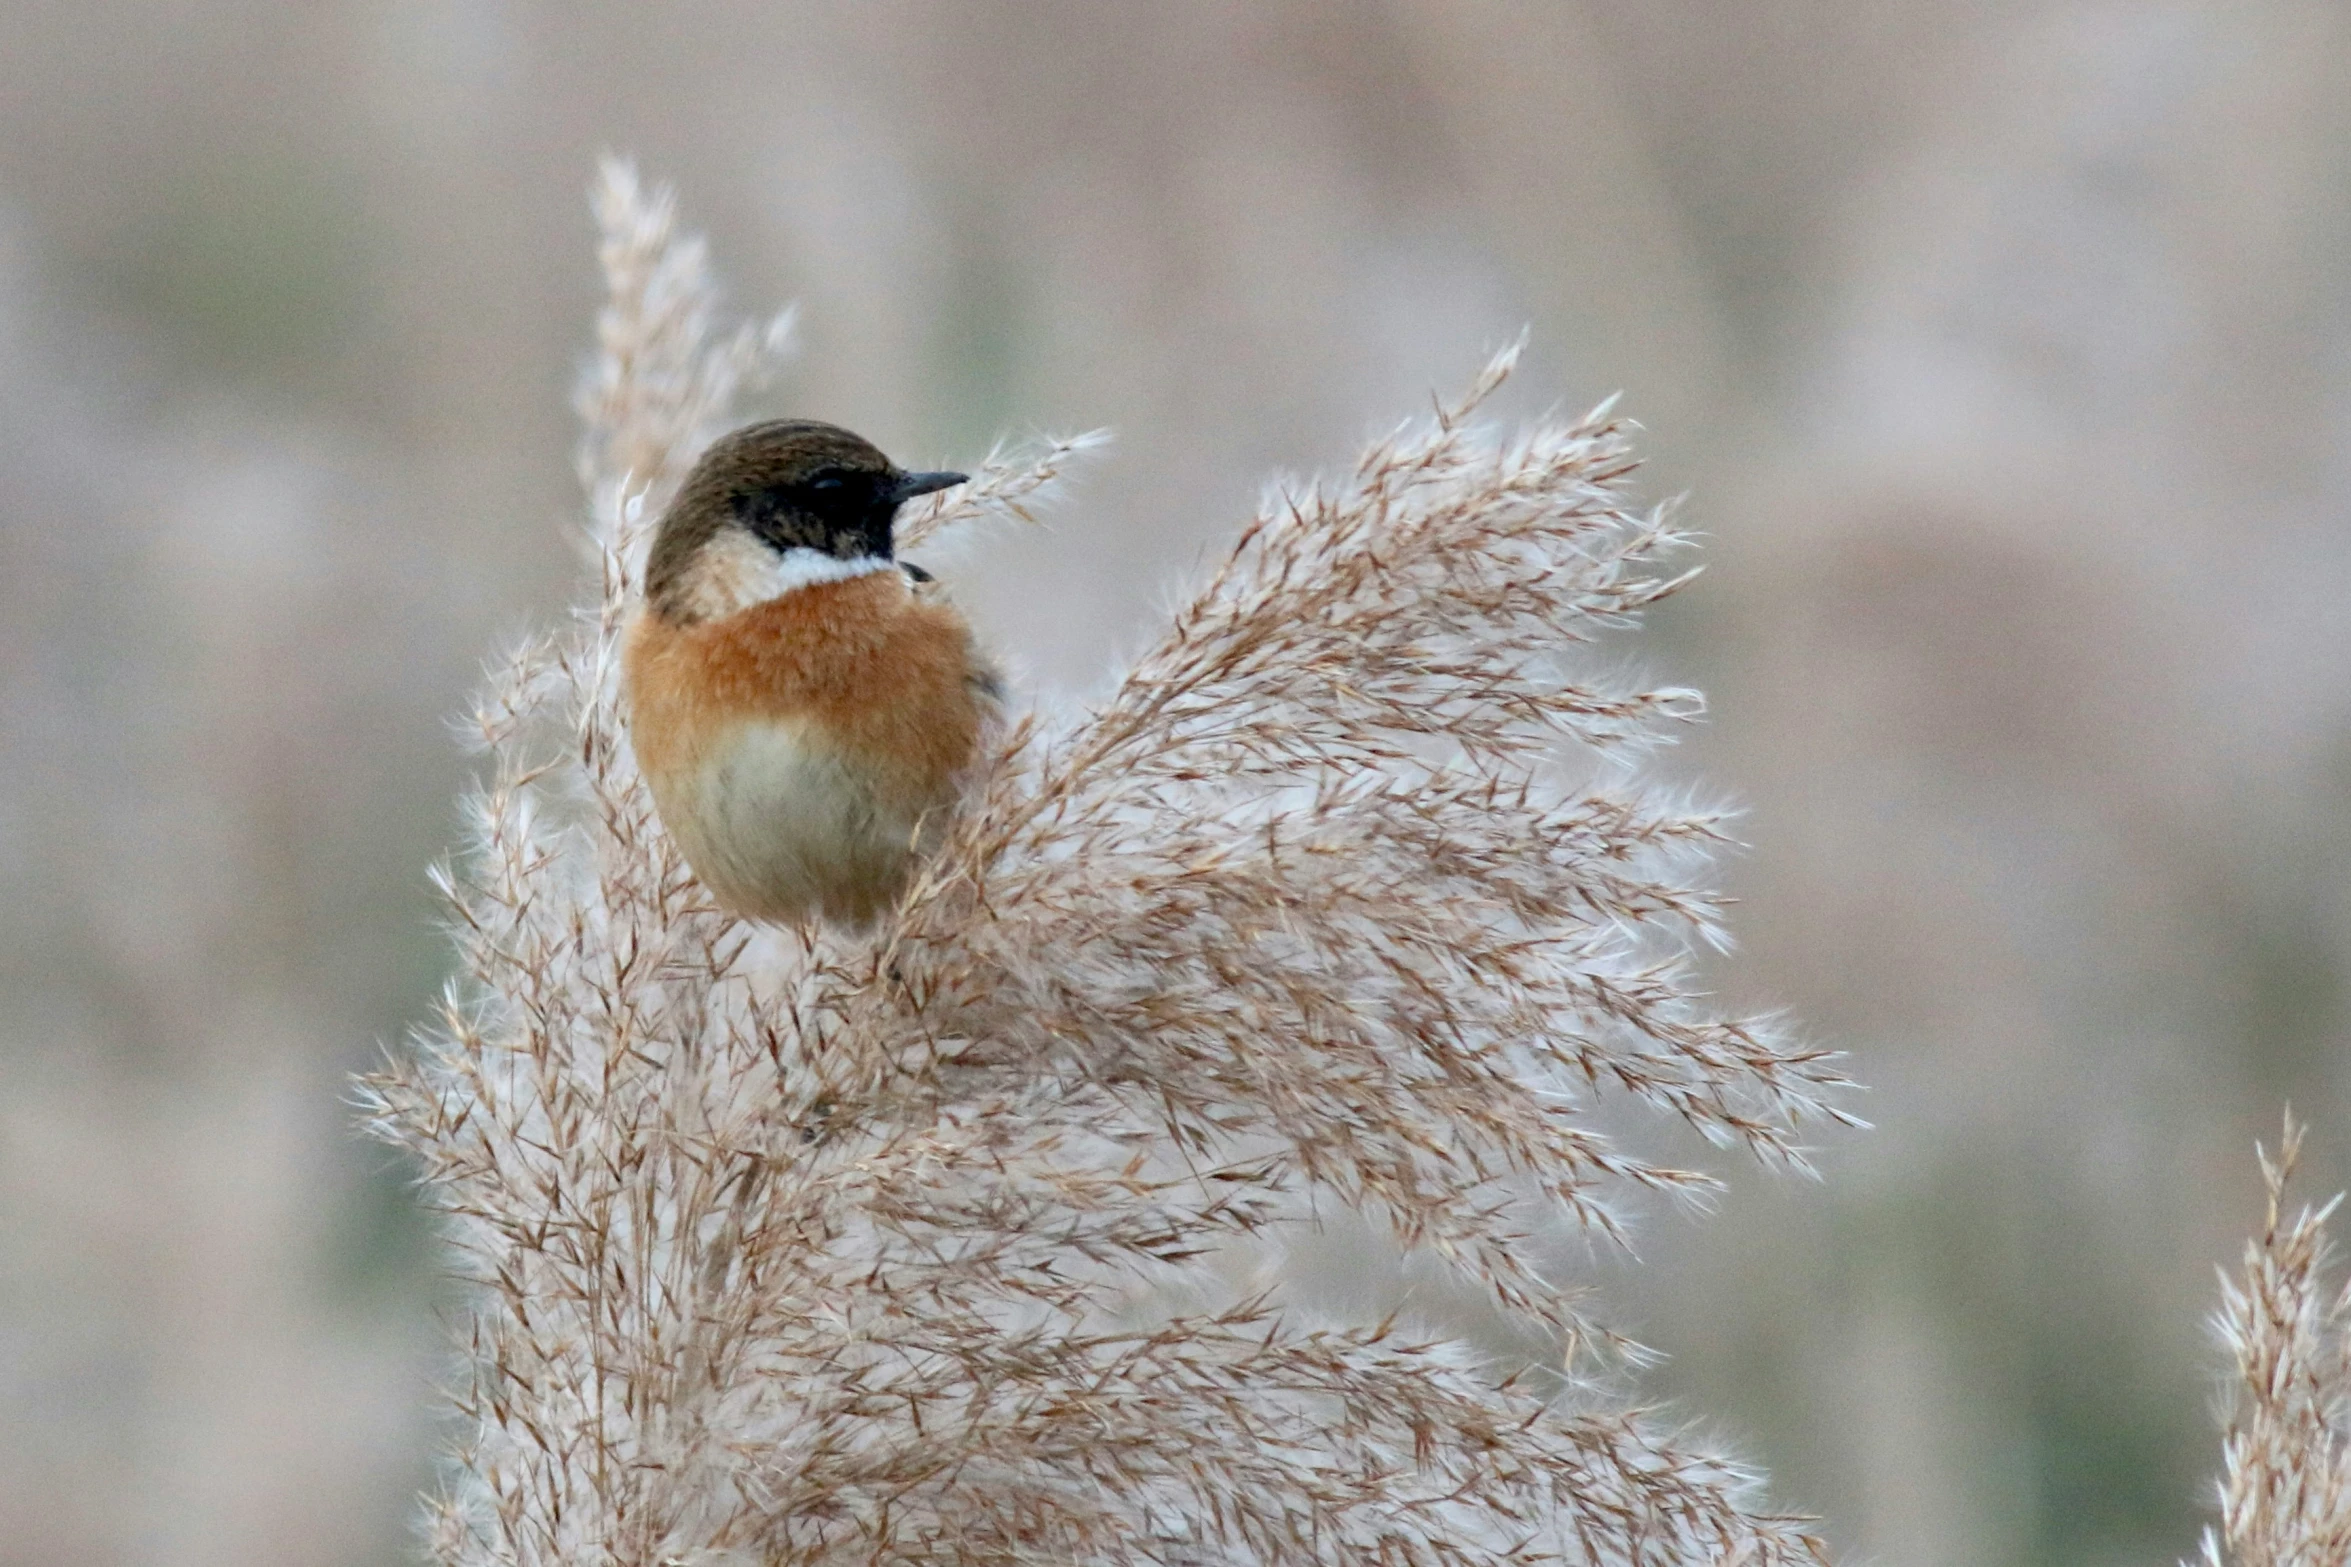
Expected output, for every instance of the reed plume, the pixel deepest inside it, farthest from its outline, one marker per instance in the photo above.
(920, 1246)
(2285, 1488)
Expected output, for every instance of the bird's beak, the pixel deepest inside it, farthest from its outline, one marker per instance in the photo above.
(910, 485)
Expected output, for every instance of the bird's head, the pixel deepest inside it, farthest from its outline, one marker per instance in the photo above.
(775, 506)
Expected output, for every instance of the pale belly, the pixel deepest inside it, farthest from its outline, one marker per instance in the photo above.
(781, 828)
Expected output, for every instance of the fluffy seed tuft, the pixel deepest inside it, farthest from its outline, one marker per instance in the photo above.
(924, 1247)
(2285, 1488)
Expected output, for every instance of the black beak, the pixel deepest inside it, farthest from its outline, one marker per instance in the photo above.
(910, 485)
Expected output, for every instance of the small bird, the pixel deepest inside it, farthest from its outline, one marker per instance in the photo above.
(803, 707)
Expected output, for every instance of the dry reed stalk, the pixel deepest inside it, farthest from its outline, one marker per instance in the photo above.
(2285, 1489)
(801, 1248)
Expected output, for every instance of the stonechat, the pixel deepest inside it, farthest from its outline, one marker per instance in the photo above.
(804, 706)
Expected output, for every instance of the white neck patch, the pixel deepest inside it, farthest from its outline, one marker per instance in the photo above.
(801, 567)
(735, 571)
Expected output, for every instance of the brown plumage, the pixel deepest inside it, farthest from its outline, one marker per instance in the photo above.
(803, 713)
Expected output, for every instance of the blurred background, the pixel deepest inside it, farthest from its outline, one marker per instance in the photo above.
(2004, 346)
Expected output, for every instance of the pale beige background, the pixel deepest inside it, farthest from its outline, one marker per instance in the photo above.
(2006, 348)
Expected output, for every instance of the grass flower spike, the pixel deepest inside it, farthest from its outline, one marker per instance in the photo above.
(2285, 1489)
(949, 1243)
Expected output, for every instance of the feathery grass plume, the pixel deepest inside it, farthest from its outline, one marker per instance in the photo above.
(2285, 1489)
(796, 1247)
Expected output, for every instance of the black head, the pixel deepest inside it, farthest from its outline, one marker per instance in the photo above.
(792, 484)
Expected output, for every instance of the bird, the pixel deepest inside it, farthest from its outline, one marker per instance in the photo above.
(805, 707)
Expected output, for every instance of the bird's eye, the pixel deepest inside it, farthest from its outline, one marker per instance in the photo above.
(827, 481)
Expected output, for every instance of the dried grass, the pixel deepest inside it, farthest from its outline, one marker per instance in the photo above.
(2285, 1490)
(798, 1247)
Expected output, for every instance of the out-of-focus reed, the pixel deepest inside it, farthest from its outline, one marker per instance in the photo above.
(2285, 1487)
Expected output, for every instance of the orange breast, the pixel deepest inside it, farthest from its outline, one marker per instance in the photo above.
(877, 681)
